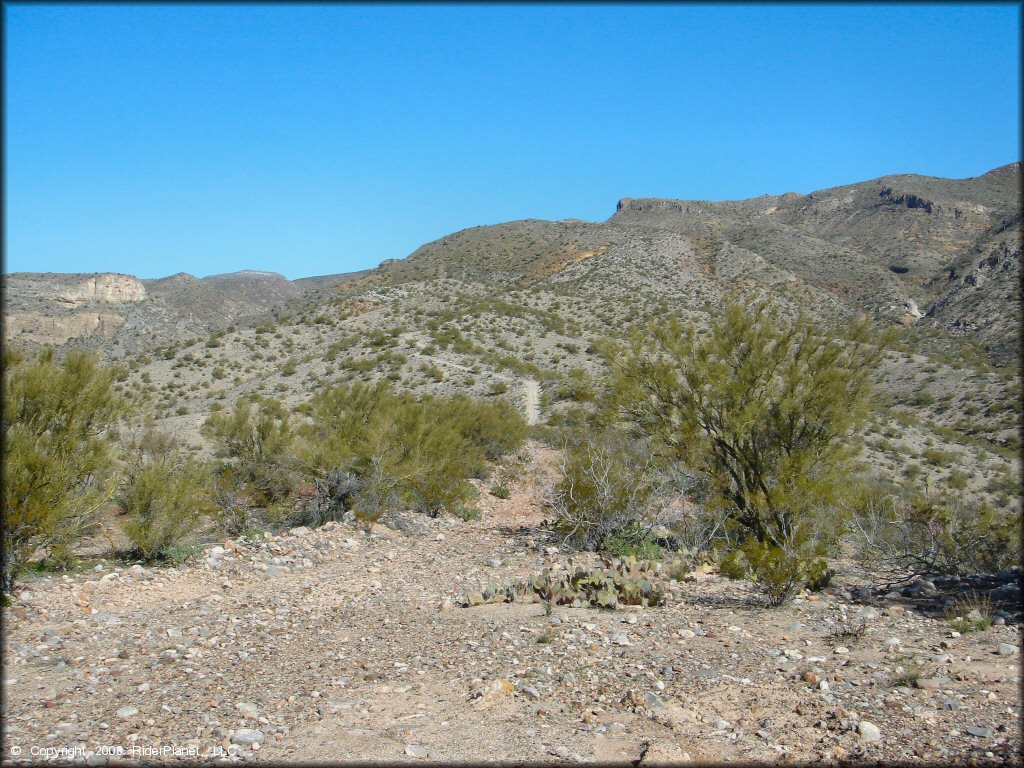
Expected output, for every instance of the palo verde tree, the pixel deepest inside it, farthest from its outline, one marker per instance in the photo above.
(764, 407)
(58, 461)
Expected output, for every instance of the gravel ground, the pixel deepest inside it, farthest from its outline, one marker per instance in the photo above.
(346, 644)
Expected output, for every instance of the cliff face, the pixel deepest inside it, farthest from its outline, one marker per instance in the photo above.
(106, 288)
(39, 328)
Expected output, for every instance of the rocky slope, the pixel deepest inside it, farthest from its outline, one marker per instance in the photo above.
(118, 314)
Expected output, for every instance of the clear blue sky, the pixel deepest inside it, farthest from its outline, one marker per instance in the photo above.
(319, 139)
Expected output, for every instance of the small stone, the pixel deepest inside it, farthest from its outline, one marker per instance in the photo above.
(841, 650)
(868, 731)
(1005, 649)
(246, 737)
(247, 710)
(927, 684)
(980, 732)
(127, 712)
(415, 750)
(653, 701)
(664, 753)
(499, 687)
(439, 537)
(810, 677)
(721, 725)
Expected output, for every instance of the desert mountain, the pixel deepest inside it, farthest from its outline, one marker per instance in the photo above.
(518, 310)
(120, 314)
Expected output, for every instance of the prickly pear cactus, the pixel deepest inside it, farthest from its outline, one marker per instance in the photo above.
(622, 581)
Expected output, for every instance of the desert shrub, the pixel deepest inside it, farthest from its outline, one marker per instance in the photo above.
(937, 457)
(466, 513)
(254, 439)
(634, 540)
(233, 498)
(395, 452)
(163, 497)
(971, 613)
(500, 491)
(577, 386)
(764, 408)
(779, 572)
(904, 536)
(603, 497)
(958, 479)
(58, 461)
(493, 427)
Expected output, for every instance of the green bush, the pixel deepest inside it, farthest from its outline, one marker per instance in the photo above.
(764, 408)
(633, 540)
(58, 461)
(254, 439)
(778, 572)
(394, 452)
(577, 386)
(500, 491)
(163, 498)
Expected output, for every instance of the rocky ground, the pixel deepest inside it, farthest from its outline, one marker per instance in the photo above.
(350, 644)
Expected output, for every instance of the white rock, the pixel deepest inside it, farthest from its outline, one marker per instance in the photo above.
(246, 737)
(868, 731)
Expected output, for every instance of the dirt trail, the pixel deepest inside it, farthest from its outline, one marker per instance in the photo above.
(532, 401)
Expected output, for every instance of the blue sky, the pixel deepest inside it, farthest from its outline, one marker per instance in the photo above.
(325, 138)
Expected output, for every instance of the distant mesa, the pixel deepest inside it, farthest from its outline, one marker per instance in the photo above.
(246, 273)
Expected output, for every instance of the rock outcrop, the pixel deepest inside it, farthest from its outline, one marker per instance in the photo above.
(40, 328)
(107, 288)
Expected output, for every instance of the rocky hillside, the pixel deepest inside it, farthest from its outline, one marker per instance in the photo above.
(119, 314)
(517, 311)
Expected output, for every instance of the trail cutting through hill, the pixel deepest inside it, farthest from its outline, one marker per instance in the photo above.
(532, 401)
